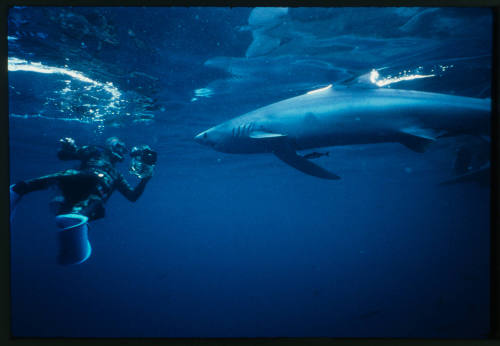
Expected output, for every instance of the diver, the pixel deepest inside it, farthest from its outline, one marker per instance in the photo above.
(84, 191)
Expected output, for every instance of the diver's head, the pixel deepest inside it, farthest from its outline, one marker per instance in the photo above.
(117, 148)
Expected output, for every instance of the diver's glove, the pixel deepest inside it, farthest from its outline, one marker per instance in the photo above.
(68, 144)
(143, 171)
(148, 174)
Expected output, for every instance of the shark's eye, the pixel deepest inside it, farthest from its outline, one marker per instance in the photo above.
(204, 135)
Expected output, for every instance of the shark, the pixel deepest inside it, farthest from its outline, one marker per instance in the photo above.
(348, 115)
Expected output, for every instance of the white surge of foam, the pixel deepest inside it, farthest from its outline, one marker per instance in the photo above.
(374, 76)
(16, 64)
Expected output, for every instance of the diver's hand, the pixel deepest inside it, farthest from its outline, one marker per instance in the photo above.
(148, 174)
(67, 143)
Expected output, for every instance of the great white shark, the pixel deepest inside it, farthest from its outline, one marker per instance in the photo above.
(348, 116)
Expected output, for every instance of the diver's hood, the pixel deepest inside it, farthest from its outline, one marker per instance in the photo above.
(117, 148)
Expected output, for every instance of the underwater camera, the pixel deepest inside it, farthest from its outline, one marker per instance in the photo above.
(143, 161)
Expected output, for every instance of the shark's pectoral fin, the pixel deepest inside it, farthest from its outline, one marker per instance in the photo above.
(288, 155)
(418, 139)
(280, 146)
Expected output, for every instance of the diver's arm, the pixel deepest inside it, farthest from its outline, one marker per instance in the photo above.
(70, 151)
(131, 194)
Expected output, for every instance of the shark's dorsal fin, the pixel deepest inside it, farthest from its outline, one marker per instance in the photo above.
(265, 135)
(363, 81)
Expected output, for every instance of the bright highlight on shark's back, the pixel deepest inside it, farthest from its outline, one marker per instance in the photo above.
(362, 114)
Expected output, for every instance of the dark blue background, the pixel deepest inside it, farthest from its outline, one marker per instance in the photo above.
(226, 245)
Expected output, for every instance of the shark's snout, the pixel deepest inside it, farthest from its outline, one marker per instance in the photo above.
(203, 138)
(199, 137)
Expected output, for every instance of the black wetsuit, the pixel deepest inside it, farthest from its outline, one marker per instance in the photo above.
(85, 190)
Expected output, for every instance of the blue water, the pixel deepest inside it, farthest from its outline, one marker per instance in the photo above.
(223, 245)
